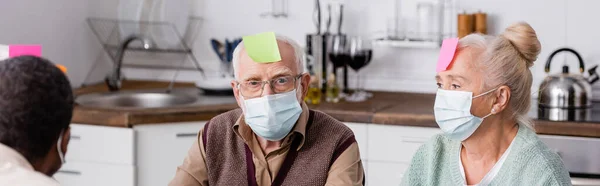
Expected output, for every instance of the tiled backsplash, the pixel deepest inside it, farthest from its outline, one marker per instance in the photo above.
(558, 23)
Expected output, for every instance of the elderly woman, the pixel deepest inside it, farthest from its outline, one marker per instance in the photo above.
(481, 105)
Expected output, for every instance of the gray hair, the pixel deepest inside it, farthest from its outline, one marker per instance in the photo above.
(298, 54)
(506, 59)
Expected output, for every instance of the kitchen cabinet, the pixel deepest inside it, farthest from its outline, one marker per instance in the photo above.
(161, 148)
(95, 174)
(385, 173)
(99, 155)
(360, 134)
(396, 143)
(145, 155)
(386, 150)
(148, 155)
(91, 143)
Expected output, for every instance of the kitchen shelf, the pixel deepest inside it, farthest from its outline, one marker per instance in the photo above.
(407, 44)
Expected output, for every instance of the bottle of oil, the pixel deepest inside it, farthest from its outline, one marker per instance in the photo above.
(314, 91)
(333, 90)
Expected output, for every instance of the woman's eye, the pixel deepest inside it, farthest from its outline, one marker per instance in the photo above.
(455, 86)
(439, 85)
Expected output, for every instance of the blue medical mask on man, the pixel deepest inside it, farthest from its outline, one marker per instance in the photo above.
(452, 112)
(272, 117)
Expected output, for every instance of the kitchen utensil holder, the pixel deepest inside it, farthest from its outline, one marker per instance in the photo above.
(108, 33)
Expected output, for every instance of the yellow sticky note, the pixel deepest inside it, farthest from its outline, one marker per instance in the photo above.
(262, 48)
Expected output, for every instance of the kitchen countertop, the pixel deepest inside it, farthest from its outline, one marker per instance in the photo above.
(386, 108)
(204, 109)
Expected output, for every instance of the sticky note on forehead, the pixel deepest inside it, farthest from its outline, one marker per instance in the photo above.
(262, 48)
(446, 54)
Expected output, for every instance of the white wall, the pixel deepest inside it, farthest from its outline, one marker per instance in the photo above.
(557, 22)
(59, 26)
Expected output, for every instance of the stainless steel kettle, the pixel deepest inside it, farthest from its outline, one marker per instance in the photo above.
(566, 96)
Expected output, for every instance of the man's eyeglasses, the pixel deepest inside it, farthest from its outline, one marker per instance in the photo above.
(254, 89)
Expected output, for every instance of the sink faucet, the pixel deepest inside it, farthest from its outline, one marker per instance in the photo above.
(113, 80)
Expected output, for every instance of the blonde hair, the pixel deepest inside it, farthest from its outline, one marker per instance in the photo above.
(505, 60)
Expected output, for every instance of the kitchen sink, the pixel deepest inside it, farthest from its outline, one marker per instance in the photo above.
(129, 100)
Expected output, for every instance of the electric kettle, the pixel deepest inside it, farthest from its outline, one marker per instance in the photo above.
(566, 96)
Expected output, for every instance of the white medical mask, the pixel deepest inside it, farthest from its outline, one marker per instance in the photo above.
(452, 112)
(61, 155)
(272, 117)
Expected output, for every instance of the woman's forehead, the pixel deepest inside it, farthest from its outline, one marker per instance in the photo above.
(463, 65)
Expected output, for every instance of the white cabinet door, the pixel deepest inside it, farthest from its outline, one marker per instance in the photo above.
(385, 173)
(101, 144)
(95, 174)
(161, 148)
(396, 143)
(360, 133)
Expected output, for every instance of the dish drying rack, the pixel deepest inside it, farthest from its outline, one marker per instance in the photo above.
(167, 44)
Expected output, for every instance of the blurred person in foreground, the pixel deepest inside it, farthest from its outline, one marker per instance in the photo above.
(36, 105)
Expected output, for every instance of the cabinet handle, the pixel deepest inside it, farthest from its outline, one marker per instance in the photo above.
(70, 172)
(413, 140)
(75, 137)
(186, 135)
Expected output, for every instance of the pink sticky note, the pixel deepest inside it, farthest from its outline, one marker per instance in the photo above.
(446, 54)
(20, 50)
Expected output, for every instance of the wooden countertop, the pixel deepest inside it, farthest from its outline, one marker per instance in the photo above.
(128, 118)
(387, 108)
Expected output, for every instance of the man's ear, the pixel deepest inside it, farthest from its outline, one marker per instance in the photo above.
(305, 82)
(236, 93)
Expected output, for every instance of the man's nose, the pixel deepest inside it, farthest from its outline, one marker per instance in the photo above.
(267, 90)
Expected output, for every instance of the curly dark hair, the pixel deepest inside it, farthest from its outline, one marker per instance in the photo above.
(36, 104)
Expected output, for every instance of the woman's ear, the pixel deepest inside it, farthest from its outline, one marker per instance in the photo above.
(502, 98)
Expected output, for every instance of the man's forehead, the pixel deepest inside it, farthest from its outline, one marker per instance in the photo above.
(288, 58)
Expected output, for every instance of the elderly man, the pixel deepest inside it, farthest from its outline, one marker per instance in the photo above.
(36, 104)
(274, 139)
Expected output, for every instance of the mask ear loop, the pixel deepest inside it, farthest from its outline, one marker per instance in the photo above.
(491, 113)
(489, 91)
(493, 110)
(59, 147)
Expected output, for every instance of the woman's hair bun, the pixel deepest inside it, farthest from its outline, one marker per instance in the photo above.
(522, 36)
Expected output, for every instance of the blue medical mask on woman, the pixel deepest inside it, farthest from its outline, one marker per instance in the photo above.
(452, 112)
(272, 117)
